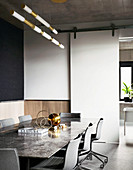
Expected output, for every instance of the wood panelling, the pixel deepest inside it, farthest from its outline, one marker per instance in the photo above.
(56, 106)
(33, 107)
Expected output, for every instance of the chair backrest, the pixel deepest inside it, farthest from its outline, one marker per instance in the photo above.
(7, 122)
(87, 137)
(99, 128)
(25, 118)
(71, 157)
(70, 115)
(9, 159)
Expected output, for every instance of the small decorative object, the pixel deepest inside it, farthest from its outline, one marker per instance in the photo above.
(54, 133)
(63, 127)
(32, 131)
(54, 119)
(41, 120)
(127, 91)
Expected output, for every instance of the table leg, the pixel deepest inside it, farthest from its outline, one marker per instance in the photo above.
(124, 123)
(28, 164)
(24, 163)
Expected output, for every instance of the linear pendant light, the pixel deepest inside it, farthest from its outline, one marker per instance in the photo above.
(35, 28)
(40, 19)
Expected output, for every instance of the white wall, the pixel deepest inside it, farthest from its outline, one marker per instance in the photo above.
(11, 109)
(95, 79)
(46, 67)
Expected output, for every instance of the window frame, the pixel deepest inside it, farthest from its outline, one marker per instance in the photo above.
(124, 64)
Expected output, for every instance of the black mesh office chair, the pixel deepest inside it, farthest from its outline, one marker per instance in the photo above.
(9, 159)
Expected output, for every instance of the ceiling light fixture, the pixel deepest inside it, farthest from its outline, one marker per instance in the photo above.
(59, 1)
(35, 28)
(40, 19)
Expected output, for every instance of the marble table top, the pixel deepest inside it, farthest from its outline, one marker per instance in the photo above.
(41, 146)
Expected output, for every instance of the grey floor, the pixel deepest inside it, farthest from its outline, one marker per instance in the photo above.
(120, 156)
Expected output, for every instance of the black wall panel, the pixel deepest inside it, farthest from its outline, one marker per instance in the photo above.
(11, 62)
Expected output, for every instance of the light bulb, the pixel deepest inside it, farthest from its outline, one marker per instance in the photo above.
(55, 41)
(26, 8)
(61, 46)
(40, 19)
(37, 29)
(54, 31)
(46, 35)
(18, 16)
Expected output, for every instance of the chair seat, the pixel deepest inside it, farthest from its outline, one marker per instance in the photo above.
(50, 164)
(82, 155)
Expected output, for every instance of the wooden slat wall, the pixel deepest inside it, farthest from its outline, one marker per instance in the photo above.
(33, 107)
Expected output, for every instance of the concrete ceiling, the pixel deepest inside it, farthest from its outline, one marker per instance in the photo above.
(70, 12)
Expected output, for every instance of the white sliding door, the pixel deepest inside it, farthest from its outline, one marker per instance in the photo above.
(95, 79)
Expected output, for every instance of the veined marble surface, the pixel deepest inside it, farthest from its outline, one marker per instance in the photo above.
(42, 146)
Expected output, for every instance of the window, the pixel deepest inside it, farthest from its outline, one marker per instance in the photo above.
(126, 76)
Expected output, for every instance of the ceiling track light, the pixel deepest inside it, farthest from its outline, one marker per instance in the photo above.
(35, 28)
(40, 19)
